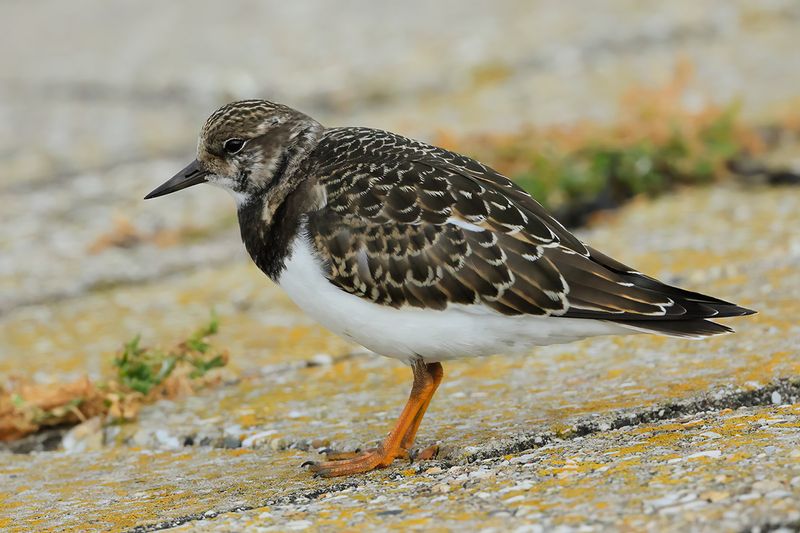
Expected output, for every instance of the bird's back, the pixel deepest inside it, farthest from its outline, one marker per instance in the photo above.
(410, 225)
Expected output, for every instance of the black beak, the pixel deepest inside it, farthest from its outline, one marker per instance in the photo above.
(191, 175)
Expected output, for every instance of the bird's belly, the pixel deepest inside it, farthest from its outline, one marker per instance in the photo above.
(410, 332)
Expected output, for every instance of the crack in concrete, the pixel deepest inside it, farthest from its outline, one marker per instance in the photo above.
(793, 525)
(785, 390)
(291, 499)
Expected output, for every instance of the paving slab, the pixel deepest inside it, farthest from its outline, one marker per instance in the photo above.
(297, 388)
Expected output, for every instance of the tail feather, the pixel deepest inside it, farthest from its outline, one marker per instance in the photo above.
(687, 329)
(698, 308)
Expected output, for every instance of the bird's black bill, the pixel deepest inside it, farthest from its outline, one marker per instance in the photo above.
(191, 175)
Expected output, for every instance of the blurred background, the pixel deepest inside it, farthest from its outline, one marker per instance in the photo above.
(587, 104)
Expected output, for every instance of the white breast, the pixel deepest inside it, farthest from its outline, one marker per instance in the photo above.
(458, 331)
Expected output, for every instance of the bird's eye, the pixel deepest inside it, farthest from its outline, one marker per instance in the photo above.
(232, 146)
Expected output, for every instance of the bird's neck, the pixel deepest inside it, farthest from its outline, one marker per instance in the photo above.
(269, 221)
(268, 231)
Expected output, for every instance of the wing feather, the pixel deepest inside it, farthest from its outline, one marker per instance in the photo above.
(409, 224)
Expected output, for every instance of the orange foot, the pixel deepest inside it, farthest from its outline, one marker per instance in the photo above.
(427, 377)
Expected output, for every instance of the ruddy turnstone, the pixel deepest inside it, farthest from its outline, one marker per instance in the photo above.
(419, 253)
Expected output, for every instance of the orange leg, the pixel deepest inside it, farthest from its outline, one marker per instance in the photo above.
(426, 379)
(436, 372)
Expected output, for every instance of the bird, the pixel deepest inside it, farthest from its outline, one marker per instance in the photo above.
(419, 253)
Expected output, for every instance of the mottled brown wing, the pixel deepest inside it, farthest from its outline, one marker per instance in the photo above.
(410, 224)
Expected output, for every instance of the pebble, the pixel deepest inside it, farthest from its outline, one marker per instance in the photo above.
(167, 440)
(767, 485)
(321, 359)
(441, 488)
(87, 436)
(258, 439)
(298, 525)
(527, 458)
(714, 454)
(776, 398)
(481, 474)
(278, 444)
(715, 496)
(231, 442)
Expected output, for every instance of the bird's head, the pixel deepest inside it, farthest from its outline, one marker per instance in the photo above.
(242, 146)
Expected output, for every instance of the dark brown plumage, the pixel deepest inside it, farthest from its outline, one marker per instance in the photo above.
(409, 224)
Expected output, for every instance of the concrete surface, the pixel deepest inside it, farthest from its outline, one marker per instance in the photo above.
(636, 433)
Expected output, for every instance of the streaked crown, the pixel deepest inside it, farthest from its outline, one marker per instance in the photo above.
(242, 144)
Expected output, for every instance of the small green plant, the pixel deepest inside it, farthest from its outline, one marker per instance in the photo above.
(140, 369)
(621, 170)
(656, 144)
(143, 375)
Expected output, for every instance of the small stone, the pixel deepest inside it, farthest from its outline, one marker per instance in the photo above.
(714, 454)
(749, 496)
(777, 494)
(231, 442)
(527, 458)
(258, 439)
(776, 398)
(321, 359)
(715, 496)
(233, 431)
(441, 488)
(767, 485)
(711, 435)
(278, 444)
(481, 474)
(528, 528)
(167, 440)
(87, 436)
(433, 470)
(320, 443)
(297, 525)
(664, 501)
